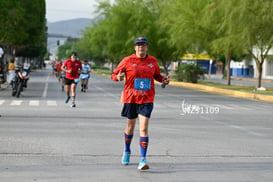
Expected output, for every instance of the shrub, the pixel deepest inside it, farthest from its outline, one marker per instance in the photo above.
(188, 73)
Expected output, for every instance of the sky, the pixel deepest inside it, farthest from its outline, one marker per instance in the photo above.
(57, 10)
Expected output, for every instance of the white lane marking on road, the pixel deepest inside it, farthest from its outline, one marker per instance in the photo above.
(46, 87)
(240, 128)
(246, 130)
(16, 102)
(172, 105)
(107, 93)
(240, 107)
(2, 102)
(225, 107)
(51, 103)
(34, 103)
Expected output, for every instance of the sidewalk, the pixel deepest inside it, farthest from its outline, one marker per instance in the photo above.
(240, 81)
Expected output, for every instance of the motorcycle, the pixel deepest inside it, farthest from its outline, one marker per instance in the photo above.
(20, 81)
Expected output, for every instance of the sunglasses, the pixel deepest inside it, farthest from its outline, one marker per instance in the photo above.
(141, 44)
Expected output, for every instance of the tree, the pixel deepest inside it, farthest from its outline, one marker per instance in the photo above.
(256, 27)
(218, 17)
(22, 25)
(185, 25)
(11, 15)
(122, 22)
(203, 26)
(243, 27)
(92, 43)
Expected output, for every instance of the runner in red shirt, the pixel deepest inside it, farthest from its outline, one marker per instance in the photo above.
(73, 68)
(140, 70)
(61, 74)
(58, 66)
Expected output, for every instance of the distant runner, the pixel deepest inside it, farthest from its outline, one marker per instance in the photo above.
(85, 75)
(73, 68)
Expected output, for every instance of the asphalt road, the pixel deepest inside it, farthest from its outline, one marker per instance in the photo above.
(194, 136)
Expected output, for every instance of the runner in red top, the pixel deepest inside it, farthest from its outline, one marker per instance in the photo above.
(73, 68)
(140, 70)
(58, 66)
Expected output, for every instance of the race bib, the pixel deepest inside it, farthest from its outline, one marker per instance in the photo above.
(142, 84)
(63, 74)
(84, 76)
(76, 80)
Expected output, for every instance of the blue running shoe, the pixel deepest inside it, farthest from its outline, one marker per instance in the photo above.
(67, 99)
(126, 158)
(143, 164)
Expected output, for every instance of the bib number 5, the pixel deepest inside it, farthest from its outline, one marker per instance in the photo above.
(142, 84)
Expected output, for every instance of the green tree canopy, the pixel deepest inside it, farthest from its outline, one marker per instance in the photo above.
(227, 29)
(22, 25)
(113, 35)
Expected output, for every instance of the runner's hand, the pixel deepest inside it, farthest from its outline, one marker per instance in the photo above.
(120, 76)
(166, 80)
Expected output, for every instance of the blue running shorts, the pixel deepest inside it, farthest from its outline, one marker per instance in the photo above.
(132, 110)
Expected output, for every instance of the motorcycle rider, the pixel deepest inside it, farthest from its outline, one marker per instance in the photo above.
(11, 72)
(21, 78)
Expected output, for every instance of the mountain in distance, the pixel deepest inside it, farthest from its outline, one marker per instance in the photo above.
(72, 28)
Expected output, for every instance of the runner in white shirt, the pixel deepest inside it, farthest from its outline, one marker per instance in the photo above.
(85, 75)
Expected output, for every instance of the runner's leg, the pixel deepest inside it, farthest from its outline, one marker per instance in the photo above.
(143, 141)
(67, 88)
(128, 136)
(73, 93)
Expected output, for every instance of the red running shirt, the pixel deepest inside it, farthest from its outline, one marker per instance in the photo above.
(58, 66)
(138, 68)
(74, 66)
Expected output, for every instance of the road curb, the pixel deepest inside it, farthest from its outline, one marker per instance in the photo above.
(222, 91)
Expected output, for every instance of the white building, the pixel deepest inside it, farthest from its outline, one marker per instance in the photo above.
(267, 66)
(248, 68)
(243, 68)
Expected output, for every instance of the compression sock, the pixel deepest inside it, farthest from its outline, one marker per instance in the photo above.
(128, 140)
(73, 99)
(143, 142)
